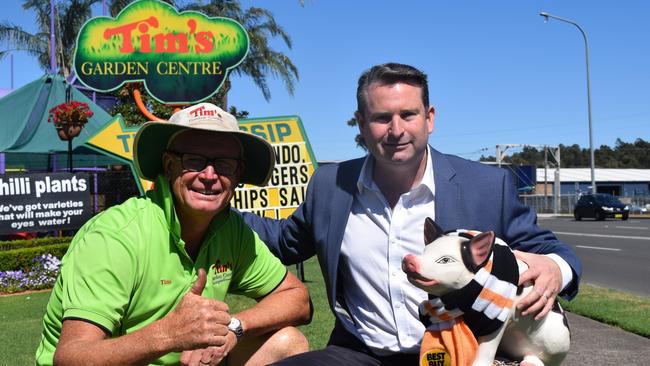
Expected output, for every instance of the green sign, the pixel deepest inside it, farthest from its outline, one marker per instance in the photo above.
(182, 58)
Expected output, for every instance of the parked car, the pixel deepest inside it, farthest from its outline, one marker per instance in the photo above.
(600, 206)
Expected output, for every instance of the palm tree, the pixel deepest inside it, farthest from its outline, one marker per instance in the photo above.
(69, 17)
(261, 60)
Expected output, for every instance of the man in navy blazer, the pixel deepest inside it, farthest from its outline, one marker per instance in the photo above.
(361, 216)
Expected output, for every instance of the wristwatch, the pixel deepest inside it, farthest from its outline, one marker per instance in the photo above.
(235, 327)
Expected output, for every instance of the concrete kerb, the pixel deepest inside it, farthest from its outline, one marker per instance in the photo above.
(595, 343)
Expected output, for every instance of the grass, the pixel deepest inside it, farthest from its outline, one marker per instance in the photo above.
(617, 308)
(20, 315)
(20, 327)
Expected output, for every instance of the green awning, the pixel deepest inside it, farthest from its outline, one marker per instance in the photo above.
(28, 139)
(23, 117)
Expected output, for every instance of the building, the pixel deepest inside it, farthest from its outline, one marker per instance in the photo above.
(618, 182)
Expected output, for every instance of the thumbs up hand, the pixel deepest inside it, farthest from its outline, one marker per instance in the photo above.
(199, 284)
(197, 322)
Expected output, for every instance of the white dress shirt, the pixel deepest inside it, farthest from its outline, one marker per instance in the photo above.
(382, 303)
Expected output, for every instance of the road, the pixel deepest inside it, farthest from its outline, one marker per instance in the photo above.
(614, 253)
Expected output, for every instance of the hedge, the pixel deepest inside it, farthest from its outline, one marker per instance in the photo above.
(11, 260)
(16, 244)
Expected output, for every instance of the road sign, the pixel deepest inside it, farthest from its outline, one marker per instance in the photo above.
(294, 165)
(115, 139)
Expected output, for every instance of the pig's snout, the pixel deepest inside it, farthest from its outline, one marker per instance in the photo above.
(410, 265)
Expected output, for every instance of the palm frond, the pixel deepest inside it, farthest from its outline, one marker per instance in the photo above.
(14, 37)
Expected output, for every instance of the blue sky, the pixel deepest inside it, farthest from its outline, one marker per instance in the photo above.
(498, 73)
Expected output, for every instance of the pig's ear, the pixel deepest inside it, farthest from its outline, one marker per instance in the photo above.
(481, 247)
(431, 231)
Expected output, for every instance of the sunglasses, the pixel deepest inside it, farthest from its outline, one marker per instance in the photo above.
(196, 163)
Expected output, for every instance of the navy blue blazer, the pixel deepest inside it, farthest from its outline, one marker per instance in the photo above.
(468, 195)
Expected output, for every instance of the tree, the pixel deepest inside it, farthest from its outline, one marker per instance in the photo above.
(624, 155)
(352, 122)
(528, 156)
(261, 60)
(69, 16)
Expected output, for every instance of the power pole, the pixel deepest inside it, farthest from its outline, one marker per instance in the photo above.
(555, 154)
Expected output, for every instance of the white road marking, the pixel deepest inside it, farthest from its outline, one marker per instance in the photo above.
(605, 236)
(599, 248)
(631, 227)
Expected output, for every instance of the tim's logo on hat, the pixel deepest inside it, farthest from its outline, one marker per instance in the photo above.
(201, 111)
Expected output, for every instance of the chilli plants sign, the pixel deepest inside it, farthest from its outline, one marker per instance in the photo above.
(182, 58)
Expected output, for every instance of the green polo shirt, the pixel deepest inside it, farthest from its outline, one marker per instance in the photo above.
(127, 267)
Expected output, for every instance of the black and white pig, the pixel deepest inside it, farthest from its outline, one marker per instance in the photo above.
(451, 264)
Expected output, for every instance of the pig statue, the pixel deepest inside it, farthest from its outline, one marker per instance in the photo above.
(460, 268)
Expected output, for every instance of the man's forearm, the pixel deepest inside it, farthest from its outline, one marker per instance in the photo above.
(138, 348)
(282, 308)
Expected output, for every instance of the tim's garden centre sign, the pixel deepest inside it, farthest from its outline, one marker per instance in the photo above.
(182, 58)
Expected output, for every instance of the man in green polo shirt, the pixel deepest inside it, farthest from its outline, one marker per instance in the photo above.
(144, 281)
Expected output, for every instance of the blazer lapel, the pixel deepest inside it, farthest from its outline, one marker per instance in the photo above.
(340, 204)
(447, 195)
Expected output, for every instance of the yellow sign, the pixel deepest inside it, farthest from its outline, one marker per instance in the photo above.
(294, 165)
(116, 139)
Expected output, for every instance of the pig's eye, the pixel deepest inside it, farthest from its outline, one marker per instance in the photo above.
(445, 260)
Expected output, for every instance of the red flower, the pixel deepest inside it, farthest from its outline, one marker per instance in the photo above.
(74, 112)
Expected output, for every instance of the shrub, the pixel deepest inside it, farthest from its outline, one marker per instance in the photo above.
(42, 274)
(20, 259)
(16, 244)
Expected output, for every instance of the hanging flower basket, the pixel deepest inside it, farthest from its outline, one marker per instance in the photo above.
(69, 118)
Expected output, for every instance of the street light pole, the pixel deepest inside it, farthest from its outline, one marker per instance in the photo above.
(591, 144)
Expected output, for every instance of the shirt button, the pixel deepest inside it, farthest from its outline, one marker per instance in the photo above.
(394, 274)
(398, 305)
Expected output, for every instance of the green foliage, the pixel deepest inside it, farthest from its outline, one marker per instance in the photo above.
(129, 110)
(69, 17)
(16, 244)
(634, 155)
(22, 258)
(262, 60)
(358, 139)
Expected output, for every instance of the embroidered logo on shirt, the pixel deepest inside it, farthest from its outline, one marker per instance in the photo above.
(165, 282)
(222, 272)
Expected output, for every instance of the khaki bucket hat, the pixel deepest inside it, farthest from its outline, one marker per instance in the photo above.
(153, 138)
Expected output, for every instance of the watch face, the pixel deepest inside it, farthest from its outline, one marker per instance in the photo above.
(235, 327)
(234, 324)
